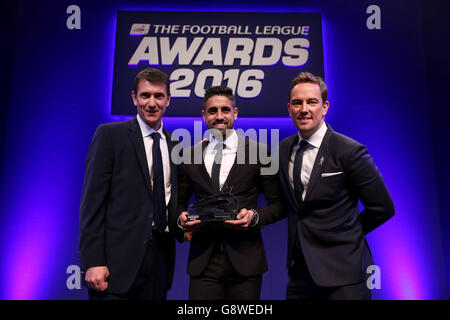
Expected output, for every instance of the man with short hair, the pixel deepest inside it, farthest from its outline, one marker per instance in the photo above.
(323, 175)
(129, 198)
(226, 259)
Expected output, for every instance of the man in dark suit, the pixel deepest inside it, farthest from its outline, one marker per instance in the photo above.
(323, 175)
(129, 199)
(226, 259)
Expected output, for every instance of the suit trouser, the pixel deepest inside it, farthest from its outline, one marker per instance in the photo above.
(302, 287)
(152, 280)
(220, 281)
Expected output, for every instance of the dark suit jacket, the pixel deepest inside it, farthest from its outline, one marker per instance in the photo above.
(328, 223)
(245, 248)
(116, 210)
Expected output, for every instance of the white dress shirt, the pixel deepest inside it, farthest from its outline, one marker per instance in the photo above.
(146, 131)
(228, 156)
(309, 157)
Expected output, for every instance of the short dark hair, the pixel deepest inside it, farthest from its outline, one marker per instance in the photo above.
(219, 91)
(152, 75)
(306, 77)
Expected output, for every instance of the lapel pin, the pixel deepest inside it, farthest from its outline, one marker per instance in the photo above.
(321, 161)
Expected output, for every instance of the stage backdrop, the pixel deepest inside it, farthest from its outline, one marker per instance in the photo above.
(67, 74)
(252, 53)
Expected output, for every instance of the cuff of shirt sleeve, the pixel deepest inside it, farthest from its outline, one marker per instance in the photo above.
(178, 223)
(255, 218)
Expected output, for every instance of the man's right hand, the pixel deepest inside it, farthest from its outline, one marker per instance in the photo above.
(189, 226)
(96, 278)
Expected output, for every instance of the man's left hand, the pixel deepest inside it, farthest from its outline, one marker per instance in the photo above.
(243, 220)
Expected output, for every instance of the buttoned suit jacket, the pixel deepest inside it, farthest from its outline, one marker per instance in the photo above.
(244, 248)
(116, 210)
(329, 227)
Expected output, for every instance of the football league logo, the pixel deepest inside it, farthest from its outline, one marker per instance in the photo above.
(138, 29)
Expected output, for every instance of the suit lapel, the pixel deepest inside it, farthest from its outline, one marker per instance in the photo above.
(138, 144)
(285, 156)
(170, 145)
(319, 163)
(171, 208)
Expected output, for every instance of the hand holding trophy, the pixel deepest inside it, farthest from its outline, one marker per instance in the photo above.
(220, 207)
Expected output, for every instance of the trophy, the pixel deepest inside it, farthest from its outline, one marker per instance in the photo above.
(219, 207)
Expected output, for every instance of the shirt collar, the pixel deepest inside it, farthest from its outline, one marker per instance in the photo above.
(316, 139)
(146, 130)
(230, 142)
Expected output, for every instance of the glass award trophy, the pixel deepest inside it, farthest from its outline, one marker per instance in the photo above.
(219, 207)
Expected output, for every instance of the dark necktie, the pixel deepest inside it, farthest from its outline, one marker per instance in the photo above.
(159, 190)
(215, 172)
(298, 161)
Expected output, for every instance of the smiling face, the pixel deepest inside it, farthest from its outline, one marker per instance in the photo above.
(219, 113)
(151, 101)
(307, 109)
